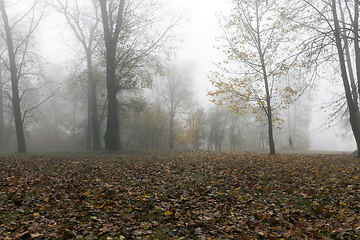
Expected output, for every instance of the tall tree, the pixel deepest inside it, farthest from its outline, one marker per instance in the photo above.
(353, 109)
(14, 80)
(111, 36)
(260, 49)
(84, 21)
(335, 40)
(21, 60)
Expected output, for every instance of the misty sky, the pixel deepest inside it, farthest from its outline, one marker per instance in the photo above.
(198, 34)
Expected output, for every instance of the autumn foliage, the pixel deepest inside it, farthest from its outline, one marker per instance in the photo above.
(180, 195)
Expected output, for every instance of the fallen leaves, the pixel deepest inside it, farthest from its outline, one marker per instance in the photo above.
(180, 195)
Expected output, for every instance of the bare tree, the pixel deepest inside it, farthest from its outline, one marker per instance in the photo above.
(112, 29)
(84, 24)
(334, 39)
(353, 109)
(175, 91)
(133, 31)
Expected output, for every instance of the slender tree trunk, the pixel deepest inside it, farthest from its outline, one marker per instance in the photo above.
(94, 112)
(14, 82)
(267, 91)
(88, 124)
(171, 131)
(56, 123)
(74, 124)
(348, 95)
(357, 47)
(268, 108)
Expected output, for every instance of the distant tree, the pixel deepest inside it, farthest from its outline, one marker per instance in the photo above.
(195, 127)
(175, 89)
(260, 49)
(234, 130)
(217, 123)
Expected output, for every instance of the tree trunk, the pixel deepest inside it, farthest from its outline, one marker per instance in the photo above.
(112, 133)
(268, 109)
(1, 109)
(88, 124)
(56, 123)
(14, 82)
(94, 112)
(350, 102)
(267, 91)
(171, 131)
(73, 123)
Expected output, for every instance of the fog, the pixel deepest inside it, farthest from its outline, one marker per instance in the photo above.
(59, 123)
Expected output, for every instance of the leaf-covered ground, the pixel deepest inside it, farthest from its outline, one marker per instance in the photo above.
(180, 195)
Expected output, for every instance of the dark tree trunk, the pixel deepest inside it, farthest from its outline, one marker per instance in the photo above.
(94, 118)
(111, 35)
(352, 108)
(1, 110)
(14, 82)
(357, 59)
(268, 109)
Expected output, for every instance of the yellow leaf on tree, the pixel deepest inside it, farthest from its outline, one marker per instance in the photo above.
(87, 193)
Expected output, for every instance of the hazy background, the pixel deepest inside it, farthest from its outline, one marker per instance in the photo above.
(199, 35)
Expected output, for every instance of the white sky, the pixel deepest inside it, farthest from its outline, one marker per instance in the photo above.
(198, 48)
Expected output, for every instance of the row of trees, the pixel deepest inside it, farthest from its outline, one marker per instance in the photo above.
(267, 41)
(119, 41)
(275, 49)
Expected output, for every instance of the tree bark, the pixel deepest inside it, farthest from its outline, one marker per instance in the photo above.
(14, 82)
(112, 133)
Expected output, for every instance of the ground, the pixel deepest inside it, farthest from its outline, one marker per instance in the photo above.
(179, 195)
